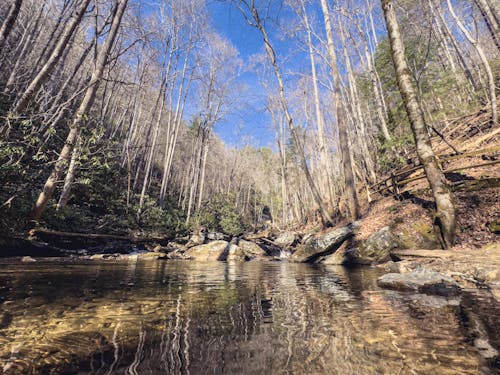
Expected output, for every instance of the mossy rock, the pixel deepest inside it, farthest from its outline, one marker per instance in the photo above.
(420, 236)
(494, 227)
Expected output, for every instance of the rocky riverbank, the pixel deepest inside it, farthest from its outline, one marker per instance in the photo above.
(422, 270)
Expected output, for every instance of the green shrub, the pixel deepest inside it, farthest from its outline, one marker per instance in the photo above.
(221, 215)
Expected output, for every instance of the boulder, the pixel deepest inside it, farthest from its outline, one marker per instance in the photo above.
(421, 280)
(339, 257)
(251, 250)
(216, 236)
(235, 253)
(403, 266)
(150, 255)
(216, 250)
(27, 259)
(420, 236)
(286, 239)
(197, 238)
(326, 244)
(375, 249)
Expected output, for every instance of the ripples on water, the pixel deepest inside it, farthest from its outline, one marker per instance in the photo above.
(222, 318)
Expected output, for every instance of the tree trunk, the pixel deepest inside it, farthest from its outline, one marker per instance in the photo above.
(272, 58)
(487, 12)
(444, 220)
(51, 63)
(325, 169)
(70, 176)
(350, 187)
(8, 23)
(484, 61)
(85, 105)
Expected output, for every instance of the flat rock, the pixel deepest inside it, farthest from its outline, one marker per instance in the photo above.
(421, 280)
(213, 251)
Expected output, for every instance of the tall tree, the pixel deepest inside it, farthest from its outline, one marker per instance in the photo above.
(445, 217)
(350, 185)
(484, 60)
(54, 58)
(250, 12)
(8, 23)
(82, 112)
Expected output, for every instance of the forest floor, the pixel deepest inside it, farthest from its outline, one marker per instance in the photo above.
(473, 174)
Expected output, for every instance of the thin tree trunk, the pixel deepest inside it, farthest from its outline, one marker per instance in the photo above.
(51, 63)
(484, 61)
(29, 38)
(70, 176)
(489, 18)
(352, 199)
(272, 58)
(203, 170)
(445, 220)
(8, 23)
(50, 185)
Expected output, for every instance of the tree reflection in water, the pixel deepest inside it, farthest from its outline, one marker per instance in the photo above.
(225, 318)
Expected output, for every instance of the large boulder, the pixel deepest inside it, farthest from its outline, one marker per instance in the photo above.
(246, 250)
(251, 250)
(197, 238)
(235, 253)
(216, 250)
(339, 257)
(316, 247)
(375, 249)
(286, 239)
(421, 280)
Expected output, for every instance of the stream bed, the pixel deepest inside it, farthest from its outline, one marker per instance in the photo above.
(180, 317)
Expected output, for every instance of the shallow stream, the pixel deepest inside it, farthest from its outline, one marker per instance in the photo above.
(180, 317)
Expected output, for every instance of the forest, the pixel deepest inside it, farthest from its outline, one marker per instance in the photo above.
(327, 132)
(109, 109)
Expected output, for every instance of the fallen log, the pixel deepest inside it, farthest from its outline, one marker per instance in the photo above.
(75, 241)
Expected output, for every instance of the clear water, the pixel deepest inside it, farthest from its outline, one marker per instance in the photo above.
(184, 317)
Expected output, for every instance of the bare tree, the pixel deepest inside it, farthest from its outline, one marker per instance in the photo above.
(9, 22)
(444, 220)
(251, 13)
(350, 186)
(484, 60)
(79, 118)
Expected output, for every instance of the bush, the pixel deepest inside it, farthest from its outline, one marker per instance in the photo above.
(221, 215)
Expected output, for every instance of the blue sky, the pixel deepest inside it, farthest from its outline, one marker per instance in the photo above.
(250, 122)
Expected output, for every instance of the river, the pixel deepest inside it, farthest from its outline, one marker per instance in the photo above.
(181, 317)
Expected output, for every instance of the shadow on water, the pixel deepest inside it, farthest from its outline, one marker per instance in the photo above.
(233, 318)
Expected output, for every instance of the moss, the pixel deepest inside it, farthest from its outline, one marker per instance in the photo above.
(494, 227)
(419, 236)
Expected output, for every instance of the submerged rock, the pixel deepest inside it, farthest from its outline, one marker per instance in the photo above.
(216, 250)
(421, 280)
(375, 249)
(314, 248)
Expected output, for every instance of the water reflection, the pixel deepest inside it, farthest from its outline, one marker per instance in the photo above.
(227, 318)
